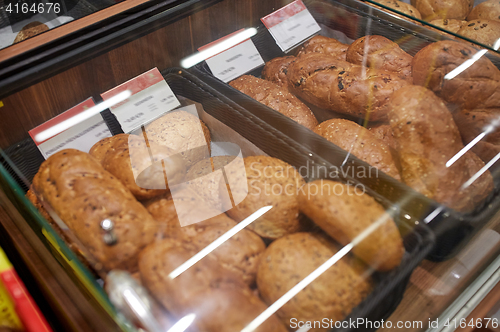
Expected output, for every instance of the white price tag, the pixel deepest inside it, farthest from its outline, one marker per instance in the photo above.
(151, 97)
(291, 25)
(81, 136)
(234, 62)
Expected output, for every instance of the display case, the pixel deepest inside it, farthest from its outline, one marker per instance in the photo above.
(171, 194)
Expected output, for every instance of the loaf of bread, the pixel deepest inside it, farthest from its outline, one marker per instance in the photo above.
(343, 87)
(128, 158)
(427, 138)
(83, 194)
(380, 53)
(277, 98)
(434, 9)
(402, 7)
(268, 182)
(487, 10)
(477, 86)
(482, 31)
(344, 212)
(218, 299)
(333, 295)
(452, 25)
(325, 45)
(360, 142)
(240, 254)
(275, 70)
(30, 30)
(183, 133)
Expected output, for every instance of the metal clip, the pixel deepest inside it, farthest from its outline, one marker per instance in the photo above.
(109, 234)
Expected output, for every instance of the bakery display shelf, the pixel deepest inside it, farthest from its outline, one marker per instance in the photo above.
(351, 20)
(23, 161)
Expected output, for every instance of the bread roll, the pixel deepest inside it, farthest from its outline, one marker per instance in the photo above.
(333, 295)
(216, 296)
(276, 69)
(129, 159)
(183, 133)
(434, 9)
(344, 212)
(325, 45)
(277, 98)
(83, 194)
(360, 142)
(427, 138)
(477, 86)
(268, 181)
(240, 254)
(451, 25)
(383, 132)
(482, 31)
(343, 87)
(402, 7)
(380, 53)
(487, 10)
(30, 30)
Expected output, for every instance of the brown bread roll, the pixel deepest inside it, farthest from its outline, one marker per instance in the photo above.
(482, 31)
(343, 87)
(433, 9)
(83, 194)
(452, 25)
(183, 133)
(487, 10)
(427, 138)
(383, 132)
(240, 254)
(218, 299)
(380, 53)
(360, 142)
(478, 86)
(277, 98)
(344, 212)
(272, 182)
(402, 7)
(325, 45)
(129, 159)
(333, 295)
(276, 69)
(30, 30)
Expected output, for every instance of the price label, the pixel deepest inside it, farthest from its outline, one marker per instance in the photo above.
(291, 25)
(80, 136)
(235, 61)
(151, 97)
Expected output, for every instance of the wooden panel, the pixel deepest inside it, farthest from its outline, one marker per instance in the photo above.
(162, 48)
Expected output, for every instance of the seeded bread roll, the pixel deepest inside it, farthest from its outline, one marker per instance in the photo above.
(333, 295)
(402, 7)
(277, 98)
(343, 87)
(83, 194)
(487, 10)
(360, 142)
(478, 86)
(240, 254)
(183, 133)
(427, 138)
(483, 31)
(129, 159)
(434, 9)
(268, 181)
(220, 302)
(30, 30)
(325, 45)
(275, 70)
(452, 25)
(380, 53)
(344, 212)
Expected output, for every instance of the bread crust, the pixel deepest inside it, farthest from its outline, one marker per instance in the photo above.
(402, 7)
(325, 45)
(277, 98)
(359, 141)
(487, 10)
(433, 9)
(275, 70)
(483, 31)
(450, 24)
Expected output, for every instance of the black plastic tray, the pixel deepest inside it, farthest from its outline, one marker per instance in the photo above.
(452, 229)
(418, 239)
